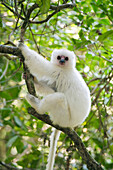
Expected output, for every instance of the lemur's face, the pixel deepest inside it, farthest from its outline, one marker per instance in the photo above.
(63, 58)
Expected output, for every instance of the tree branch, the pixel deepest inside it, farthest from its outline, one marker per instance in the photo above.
(10, 167)
(45, 20)
(63, 6)
(7, 166)
(91, 163)
(11, 50)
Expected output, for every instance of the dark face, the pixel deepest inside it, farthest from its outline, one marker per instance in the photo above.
(62, 59)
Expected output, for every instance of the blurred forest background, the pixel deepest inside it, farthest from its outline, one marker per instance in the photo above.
(85, 27)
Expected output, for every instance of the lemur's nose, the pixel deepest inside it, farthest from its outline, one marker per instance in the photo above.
(62, 60)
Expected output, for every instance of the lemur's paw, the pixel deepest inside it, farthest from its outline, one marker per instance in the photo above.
(31, 98)
(33, 101)
(21, 44)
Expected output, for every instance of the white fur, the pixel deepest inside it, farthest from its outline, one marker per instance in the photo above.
(67, 98)
(65, 52)
(53, 144)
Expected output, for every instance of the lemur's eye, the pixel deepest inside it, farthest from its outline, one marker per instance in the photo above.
(66, 58)
(58, 57)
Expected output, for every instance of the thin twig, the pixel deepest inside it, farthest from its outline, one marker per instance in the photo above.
(34, 39)
(4, 72)
(45, 20)
(8, 56)
(15, 13)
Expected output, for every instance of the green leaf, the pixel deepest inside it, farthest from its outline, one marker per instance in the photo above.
(11, 141)
(17, 121)
(8, 122)
(106, 35)
(0, 21)
(104, 21)
(5, 112)
(111, 147)
(81, 34)
(98, 142)
(19, 145)
(45, 6)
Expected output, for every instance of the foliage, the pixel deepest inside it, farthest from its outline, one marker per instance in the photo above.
(86, 28)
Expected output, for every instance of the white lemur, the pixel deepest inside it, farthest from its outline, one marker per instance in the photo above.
(66, 96)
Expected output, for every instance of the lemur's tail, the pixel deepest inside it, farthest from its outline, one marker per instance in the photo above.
(53, 144)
